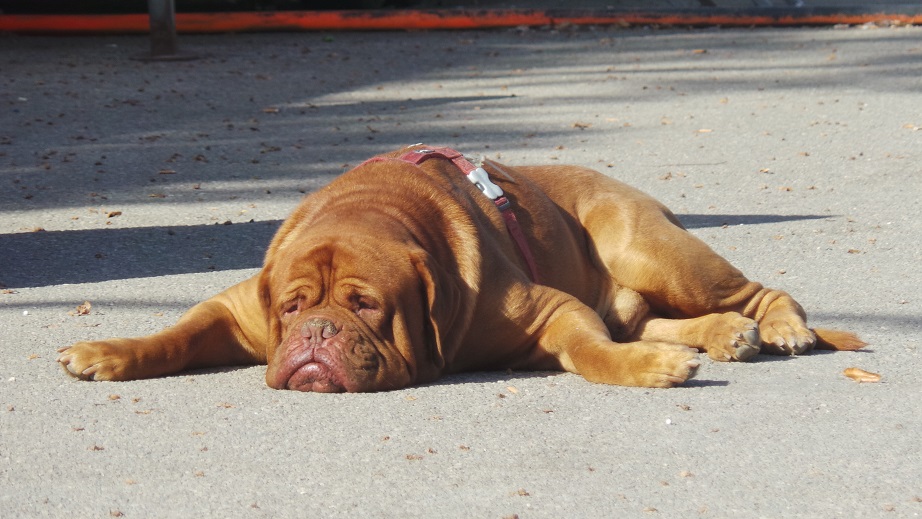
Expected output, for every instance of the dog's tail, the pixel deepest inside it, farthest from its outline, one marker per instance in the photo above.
(837, 340)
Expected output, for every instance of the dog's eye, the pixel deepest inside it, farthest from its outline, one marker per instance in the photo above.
(361, 304)
(292, 308)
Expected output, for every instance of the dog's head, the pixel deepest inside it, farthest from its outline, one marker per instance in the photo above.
(353, 313)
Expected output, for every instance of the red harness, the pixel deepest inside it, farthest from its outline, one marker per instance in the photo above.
(479, 177)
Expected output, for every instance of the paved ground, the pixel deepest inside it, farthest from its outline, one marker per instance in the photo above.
(146, 187)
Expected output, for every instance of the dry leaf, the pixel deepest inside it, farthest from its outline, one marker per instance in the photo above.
(112, 214)
(581, 126)
(270, 110)
(167, 172)
(512, 389)
(860, 375)
(83, 309)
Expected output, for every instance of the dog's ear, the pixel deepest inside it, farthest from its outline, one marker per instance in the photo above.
(446, 311)
(273, 324)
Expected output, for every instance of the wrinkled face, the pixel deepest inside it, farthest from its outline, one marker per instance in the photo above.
(344, 315)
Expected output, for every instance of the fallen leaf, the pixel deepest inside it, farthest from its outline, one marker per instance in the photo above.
(512, 389)
(271, 110)
(860, 375)
(156, 195)
(112, 214)
(83, 309)
(167, 172)
(582, 126)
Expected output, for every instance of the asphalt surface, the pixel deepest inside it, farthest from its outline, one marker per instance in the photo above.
(795, 153)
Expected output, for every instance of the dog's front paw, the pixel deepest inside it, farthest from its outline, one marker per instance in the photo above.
(99, 360)
(664, 365)
(786, 337)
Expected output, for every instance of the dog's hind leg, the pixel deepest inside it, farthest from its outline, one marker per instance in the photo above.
(696, 297)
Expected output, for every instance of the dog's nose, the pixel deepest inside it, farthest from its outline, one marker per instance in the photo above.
(318, 326)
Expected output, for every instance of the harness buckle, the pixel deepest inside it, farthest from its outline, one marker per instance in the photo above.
(481, 179)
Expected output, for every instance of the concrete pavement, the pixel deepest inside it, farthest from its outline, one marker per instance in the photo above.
(146, 187)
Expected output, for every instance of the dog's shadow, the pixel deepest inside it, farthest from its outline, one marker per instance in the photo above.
(510, 377)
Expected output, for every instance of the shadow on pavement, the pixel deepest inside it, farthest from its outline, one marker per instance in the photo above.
(90, 256)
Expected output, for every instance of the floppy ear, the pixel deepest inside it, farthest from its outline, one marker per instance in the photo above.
(273, 324)
(445, 308)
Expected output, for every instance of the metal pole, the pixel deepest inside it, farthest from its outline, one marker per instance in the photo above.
(163, 40)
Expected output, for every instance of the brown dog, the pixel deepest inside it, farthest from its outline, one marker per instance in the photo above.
(402, 270)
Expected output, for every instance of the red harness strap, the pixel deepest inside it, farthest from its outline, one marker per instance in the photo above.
(480, 179)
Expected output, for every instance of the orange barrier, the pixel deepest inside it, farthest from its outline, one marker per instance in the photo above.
(443, 19)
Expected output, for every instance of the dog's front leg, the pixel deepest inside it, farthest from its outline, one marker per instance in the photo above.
(580, 340)
(228, 329)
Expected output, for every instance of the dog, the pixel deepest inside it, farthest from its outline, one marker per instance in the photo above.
(418, 263)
